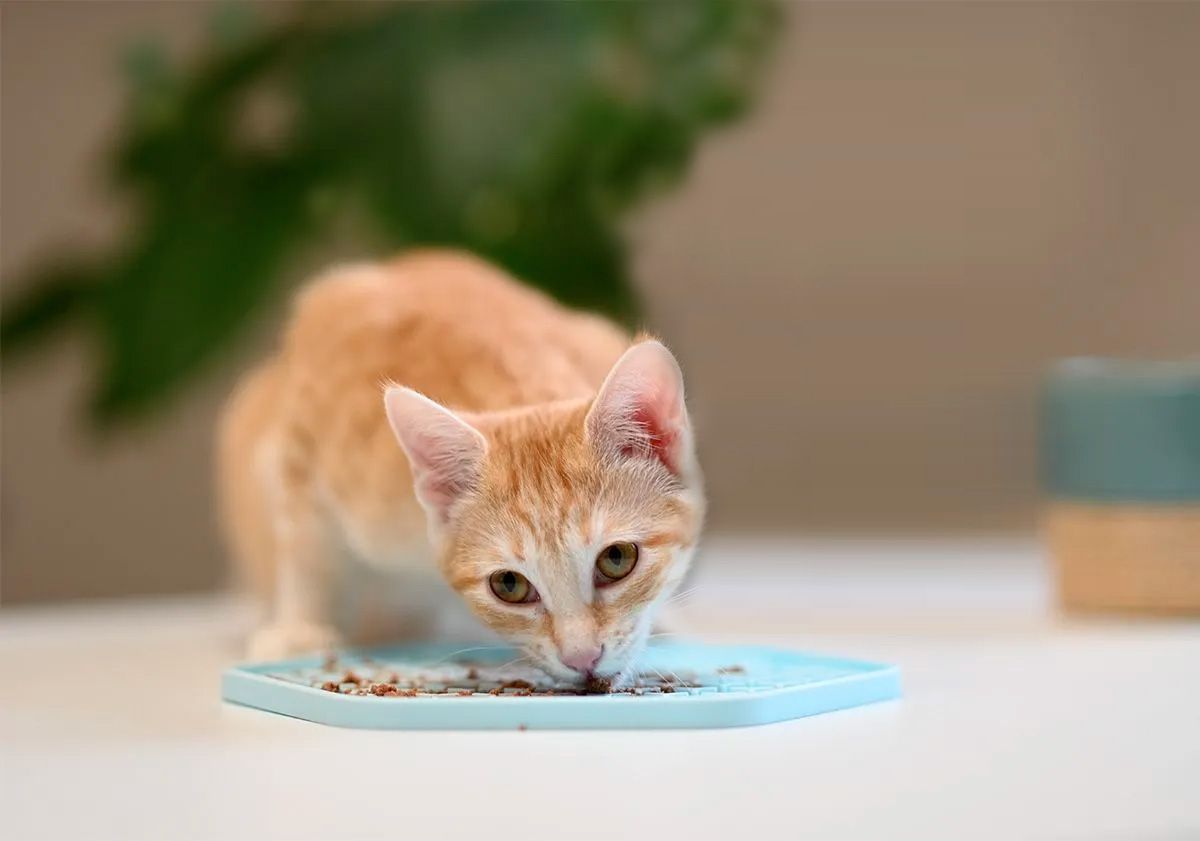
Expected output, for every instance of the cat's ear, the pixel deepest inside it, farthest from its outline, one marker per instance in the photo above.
(640, 412)
(445, 453)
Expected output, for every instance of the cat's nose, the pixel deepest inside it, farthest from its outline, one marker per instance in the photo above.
(582, 660)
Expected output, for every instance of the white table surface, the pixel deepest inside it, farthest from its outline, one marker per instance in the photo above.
(1016, 723)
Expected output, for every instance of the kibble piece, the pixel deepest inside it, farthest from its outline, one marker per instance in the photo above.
(598, 685)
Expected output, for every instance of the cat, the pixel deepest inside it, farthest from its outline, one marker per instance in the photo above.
(433, 414)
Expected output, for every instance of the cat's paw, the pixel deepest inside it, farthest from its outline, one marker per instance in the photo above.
(291, 639)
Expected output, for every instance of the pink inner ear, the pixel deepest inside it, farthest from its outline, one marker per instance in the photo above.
(444, 467)
(661, 437)
(639, 412)
(444, 451)
(439, 492)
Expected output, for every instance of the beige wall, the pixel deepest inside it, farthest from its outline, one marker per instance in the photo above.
(863, 280)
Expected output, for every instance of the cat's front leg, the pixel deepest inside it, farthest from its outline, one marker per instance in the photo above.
(305, 589)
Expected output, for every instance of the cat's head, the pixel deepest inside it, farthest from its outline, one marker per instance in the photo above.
(564, 526)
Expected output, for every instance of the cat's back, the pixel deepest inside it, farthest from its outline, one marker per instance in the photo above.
(451, 326)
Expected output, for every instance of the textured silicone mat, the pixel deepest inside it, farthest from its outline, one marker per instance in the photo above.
(446, 687)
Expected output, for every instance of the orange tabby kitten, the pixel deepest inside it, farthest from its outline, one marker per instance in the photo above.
(433, 414)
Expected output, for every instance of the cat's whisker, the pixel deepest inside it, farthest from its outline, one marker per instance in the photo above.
(454, 654)
(682, 596)
(512, 662)
(661, 676)
(675, 677)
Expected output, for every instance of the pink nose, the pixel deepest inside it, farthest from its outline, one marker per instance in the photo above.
(582, 660)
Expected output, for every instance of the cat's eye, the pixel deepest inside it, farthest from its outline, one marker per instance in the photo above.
(616, 561)
(512, 587)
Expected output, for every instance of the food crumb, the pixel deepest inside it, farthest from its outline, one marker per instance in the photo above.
(598, 685)
(524, 687)
(522, 728)
(731, 670)
(387, 689)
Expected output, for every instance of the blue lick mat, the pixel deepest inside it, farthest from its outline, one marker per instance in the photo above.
(423, 687)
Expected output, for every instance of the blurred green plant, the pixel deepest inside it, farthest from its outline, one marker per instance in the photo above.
(522, 131)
